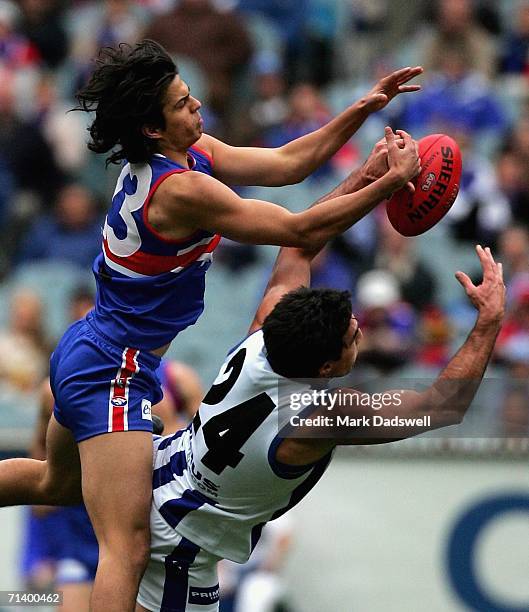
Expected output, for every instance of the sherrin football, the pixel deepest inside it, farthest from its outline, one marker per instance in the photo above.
(436, 187)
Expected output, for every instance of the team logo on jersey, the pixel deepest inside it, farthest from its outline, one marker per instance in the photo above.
(118, 401)
(146, 410)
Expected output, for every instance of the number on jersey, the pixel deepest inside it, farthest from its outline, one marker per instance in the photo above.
(226, 433)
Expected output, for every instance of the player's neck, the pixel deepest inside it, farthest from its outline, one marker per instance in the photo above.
(178, 156)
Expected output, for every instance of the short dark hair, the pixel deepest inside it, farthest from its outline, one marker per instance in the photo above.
(127, 91)
(306, 329)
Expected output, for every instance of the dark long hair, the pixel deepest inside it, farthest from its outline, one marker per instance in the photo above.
(127, 91)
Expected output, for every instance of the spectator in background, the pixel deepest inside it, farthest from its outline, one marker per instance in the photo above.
(367, 22)
(515, 53)
(71, 233)
(482, 209)
(330, 269)
(289, 17)
(456, 27)
(24, 347)
(217, 41)
(512, 346)
(64, 132)
(29, 157)
(270, 107)
(41, 23)
(434, 335)
(308, 112)
(455, 98)
(7, 187)
(321, 30)
(514, 254)
(98, 24)
(397, 255)
(16, 50)
(357, 246)
(81, 303)
(389, 323)
(513, 182)
(518, 141)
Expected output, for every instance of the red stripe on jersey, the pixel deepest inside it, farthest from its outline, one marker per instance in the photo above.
(204, 153)
(119, 390)
(151, 265)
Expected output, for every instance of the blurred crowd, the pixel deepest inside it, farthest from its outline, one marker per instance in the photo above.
(268, 71)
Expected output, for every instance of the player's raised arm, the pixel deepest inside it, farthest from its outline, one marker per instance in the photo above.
(292, 266)
(448, 399)
(197, 200)
(295, 160)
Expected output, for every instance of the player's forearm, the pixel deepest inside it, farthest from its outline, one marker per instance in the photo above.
(445, 403)
(333, 215)
(354, 182)
(307, 153)
(449, 398)
(292, 266)
(467, 368)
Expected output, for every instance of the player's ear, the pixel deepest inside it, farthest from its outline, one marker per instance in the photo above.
(325, 370)
(151, 132)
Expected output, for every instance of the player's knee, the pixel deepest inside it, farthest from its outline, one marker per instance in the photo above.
(132, 548)
(142, 553)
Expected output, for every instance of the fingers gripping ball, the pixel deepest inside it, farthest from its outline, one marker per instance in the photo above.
(436, 187)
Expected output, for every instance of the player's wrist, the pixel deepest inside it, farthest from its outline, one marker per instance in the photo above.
(362, 107)
(488, 323)
(395, 179)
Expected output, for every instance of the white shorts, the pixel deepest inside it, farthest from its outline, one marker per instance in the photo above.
(180, 577)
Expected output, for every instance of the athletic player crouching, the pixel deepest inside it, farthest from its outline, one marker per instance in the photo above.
(218, 482)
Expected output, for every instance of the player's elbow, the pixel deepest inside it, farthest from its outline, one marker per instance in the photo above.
(304, 233)
(293, 168)
(447, 417)
(300, 240)
(455, 417)
(293, 177)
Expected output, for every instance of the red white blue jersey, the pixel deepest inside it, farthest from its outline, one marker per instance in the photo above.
(149, 288)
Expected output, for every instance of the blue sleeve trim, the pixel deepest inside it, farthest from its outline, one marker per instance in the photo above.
(234, 348)
(283, 470)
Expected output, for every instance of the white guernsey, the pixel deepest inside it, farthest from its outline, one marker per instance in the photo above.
(217, 483)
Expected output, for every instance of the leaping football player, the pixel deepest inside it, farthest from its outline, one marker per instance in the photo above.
(170, 206)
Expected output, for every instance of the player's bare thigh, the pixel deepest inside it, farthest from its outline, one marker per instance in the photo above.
(117, 475)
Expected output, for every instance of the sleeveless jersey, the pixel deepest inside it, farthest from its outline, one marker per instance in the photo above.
(149, 288)
(217, 482)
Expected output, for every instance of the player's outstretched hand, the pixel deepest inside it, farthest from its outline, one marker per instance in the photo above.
(489, 297)
(403, 158)
(376, 165)
(390, 86)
